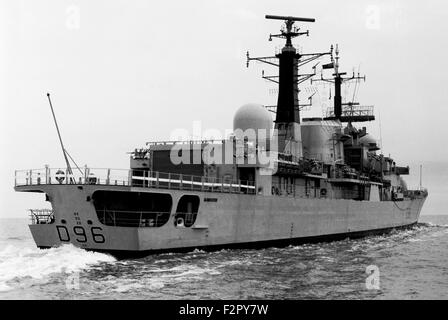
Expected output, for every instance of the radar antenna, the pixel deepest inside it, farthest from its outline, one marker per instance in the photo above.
(290, 31)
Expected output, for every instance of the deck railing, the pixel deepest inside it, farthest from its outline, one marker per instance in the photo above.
(132, 178)
(122, 218)
(41, 216)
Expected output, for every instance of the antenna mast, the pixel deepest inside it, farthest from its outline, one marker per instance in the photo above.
(288, 61)
(69, 169)
(354, 112)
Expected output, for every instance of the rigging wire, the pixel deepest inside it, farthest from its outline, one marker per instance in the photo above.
(401, 209)
(381, 136)
(355, 91)
(74, 162)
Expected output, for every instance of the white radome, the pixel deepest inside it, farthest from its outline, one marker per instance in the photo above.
(367, 140)
(252, 116)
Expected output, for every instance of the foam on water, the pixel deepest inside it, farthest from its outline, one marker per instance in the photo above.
(410, 262)
(430, 224)
(18, 263)
(183, 272)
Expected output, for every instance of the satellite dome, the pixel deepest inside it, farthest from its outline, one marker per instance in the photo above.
(369, 141)
(252, 116)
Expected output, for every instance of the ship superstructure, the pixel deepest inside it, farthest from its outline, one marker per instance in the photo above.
(294, 179)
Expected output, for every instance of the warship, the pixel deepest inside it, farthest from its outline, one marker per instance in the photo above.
(277, 179)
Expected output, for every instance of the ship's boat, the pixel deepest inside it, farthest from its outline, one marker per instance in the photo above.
(278, 179)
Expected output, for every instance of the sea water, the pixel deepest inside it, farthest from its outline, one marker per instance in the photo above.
(408, 264)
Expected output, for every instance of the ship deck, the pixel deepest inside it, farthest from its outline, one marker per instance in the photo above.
(129, 178)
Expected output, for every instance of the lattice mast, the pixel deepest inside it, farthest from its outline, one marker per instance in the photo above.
(352, 112)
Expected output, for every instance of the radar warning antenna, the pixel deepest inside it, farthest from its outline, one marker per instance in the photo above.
(288, 62)
(353, 111)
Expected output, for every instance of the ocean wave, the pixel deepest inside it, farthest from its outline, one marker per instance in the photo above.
(430, 224)
(235, 262)
(19, 263)
(120, 286)
(16, 238)
(197, 251)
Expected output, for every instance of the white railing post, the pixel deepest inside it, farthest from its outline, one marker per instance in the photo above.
(108, 177)
(15, 178)
(31, 177)
(180, 178)
(86, 173)
(130, 178)
(46, 173)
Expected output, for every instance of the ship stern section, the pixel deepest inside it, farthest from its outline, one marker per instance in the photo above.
(73, 219)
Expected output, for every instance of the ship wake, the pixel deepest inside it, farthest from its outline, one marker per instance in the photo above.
(24, 265)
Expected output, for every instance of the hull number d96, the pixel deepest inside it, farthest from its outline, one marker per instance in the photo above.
(80, 234)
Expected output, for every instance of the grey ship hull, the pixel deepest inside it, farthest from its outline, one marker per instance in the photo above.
(229, 220)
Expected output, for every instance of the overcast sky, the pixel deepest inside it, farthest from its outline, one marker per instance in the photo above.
(122, 73)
